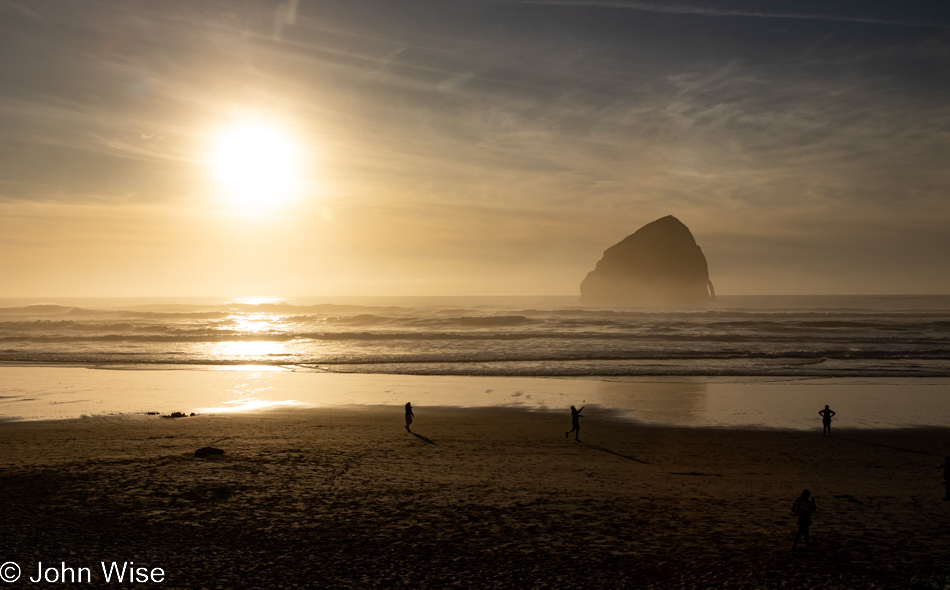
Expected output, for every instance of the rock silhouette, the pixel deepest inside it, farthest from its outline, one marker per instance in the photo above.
(659, 264)
(208, 452)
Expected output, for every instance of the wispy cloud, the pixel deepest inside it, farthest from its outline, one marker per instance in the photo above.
(719, 11)
(511, 122)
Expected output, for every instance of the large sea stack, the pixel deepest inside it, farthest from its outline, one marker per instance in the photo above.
(660, 264)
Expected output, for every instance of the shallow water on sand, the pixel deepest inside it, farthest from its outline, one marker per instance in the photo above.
(51, 393)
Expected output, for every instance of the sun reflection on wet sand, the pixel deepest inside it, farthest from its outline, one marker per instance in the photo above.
(251, 390)
(253, 406)
(32, 393)
(249, 368)
(680, 401)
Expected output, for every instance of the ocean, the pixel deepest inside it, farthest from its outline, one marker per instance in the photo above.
(881, 362)
(755, 336)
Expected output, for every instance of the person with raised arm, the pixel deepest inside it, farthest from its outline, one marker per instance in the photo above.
(575, 423)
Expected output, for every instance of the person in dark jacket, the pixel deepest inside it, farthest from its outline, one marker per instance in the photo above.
(803, 508)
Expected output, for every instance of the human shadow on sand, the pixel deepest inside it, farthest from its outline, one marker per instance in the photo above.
(621, 455)
(423, 438)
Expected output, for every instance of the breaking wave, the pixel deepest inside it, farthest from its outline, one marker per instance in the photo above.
(737, 336)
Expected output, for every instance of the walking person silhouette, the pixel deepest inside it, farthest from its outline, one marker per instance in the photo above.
(803, 508)
(946, 477)
(409, 415)
(575, 422)
(826, 415)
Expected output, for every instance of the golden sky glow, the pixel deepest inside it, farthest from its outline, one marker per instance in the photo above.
(484, 148)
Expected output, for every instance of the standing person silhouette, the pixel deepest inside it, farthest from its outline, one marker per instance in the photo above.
(826, 415)
(946, 477)
(575, 422)
(409, 415)
(803, 508)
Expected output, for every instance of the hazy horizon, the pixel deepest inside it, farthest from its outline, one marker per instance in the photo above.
(371, 300)
(480, 148)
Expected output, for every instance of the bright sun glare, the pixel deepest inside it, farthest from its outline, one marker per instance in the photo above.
(257, 164)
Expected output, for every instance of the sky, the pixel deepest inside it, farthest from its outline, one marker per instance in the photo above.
(468, 147)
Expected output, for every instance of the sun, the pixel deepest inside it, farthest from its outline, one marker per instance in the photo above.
(256, 164)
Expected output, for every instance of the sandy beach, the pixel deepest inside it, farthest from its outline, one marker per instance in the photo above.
(237, 239)
(346, 498)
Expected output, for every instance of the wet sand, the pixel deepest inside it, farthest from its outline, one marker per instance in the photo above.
(62, 392)
(496, 498)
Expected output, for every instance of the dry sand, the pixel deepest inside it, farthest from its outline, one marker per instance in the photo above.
(487, 498)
